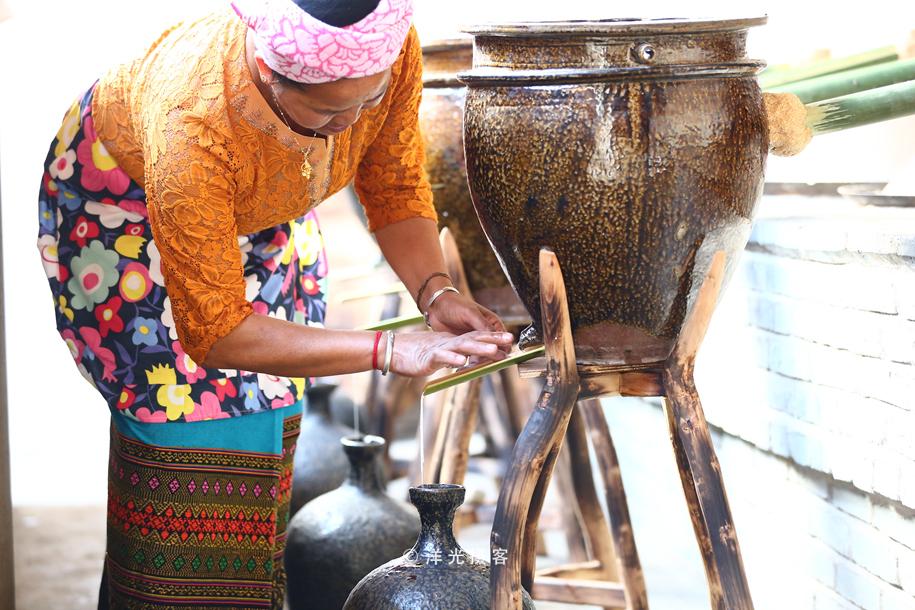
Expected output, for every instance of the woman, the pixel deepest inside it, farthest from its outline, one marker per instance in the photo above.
(188, 273)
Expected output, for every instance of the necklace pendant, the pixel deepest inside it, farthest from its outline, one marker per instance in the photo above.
(306, 169)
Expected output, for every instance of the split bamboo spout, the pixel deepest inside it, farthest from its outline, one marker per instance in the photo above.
(792, 124)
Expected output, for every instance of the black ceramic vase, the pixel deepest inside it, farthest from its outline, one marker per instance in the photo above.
(436, 574)
(320, 466)
(339, 537)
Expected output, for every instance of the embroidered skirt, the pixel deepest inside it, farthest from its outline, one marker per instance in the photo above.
(197, 512)
(109, 294)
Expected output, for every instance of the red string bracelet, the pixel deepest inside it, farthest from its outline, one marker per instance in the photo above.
(375, 350)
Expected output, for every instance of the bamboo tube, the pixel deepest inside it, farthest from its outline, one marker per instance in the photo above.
(358, 295)
(775, 78)
(392, 323)
(465, 375)
(792, 124)
(864, 108)
(850, 81)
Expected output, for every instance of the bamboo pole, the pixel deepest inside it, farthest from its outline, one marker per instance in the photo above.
(393, 323)
(465, 375)
(792, 124)
(864, 108)
(850, 81)
(781, 76)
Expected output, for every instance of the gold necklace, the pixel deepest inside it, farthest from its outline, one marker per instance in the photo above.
(306, 168)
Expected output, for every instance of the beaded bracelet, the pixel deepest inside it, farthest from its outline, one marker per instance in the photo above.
(422, 289)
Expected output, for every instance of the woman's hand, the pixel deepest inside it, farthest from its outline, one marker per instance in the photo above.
(458, 314)
(421, 354)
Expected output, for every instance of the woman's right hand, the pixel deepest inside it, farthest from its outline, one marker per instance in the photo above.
(420, 354)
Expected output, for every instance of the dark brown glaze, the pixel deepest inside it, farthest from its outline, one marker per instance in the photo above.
(635, 168)
(441, 120)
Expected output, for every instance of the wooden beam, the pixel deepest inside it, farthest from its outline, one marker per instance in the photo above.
(584, 592)
(584, 570)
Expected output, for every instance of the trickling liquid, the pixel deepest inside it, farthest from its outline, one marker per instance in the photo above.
(422, 439)
(356, 417)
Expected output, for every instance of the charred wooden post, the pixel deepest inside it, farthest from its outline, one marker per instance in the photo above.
(539, 441)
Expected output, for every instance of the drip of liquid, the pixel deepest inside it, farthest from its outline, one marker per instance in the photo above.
(356, 417)
(422, 439)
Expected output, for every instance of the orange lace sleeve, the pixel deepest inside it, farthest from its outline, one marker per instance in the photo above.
(190, 198)
(390, 180)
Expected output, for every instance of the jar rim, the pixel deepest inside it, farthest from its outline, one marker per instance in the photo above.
(616, 26)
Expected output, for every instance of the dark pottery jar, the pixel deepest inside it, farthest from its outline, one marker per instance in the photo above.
(634, 149)
(339, 537)
(441, 122)
(436, 574)
(319, 465)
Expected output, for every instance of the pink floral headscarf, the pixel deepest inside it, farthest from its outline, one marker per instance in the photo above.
(307, 50)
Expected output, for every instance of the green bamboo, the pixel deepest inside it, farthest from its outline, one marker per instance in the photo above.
(358, 295)
(850, 81)
(398, 322)
(780, 77)
(864, 108)
(449, 381)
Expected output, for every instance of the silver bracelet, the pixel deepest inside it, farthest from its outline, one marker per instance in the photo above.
(435, 296)
(388, 353)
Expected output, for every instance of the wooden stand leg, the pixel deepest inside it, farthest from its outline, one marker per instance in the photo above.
(571, 515)
(597, 530)
(466, 403)
(518, 395)
(620, 524)
(531, 540)
(700, 471)
(539, 442)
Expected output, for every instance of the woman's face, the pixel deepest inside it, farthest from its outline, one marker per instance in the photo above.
(330, 108)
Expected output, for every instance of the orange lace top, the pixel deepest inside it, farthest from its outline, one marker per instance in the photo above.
(187, 122)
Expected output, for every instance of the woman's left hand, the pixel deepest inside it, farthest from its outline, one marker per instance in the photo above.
(458, 314)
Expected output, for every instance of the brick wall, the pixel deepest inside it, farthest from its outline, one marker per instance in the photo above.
(808, 375)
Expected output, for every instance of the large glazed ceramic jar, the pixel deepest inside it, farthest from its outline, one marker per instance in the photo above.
(441, 122)
(635, 149)
(319, 465)
(436, 574)
(339, 537)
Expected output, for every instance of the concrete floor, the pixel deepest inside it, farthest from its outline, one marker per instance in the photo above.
(58, 556)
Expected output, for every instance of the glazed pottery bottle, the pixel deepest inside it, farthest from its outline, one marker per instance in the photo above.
(339, 537)
(320, 466)
(436, 574)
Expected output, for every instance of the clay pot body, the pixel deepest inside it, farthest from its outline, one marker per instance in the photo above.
(634, 149)
(441, 122)
(339, 537)
(319, 465)
(437, 574)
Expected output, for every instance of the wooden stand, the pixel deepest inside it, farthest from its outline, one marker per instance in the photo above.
(456, 411)
(555, 416)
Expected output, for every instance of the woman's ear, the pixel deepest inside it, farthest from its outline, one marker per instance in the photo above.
(266, 73)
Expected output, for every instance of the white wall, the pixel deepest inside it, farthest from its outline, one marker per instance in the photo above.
(53, 49)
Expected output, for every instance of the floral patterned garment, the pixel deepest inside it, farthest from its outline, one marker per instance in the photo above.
(111, 305)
